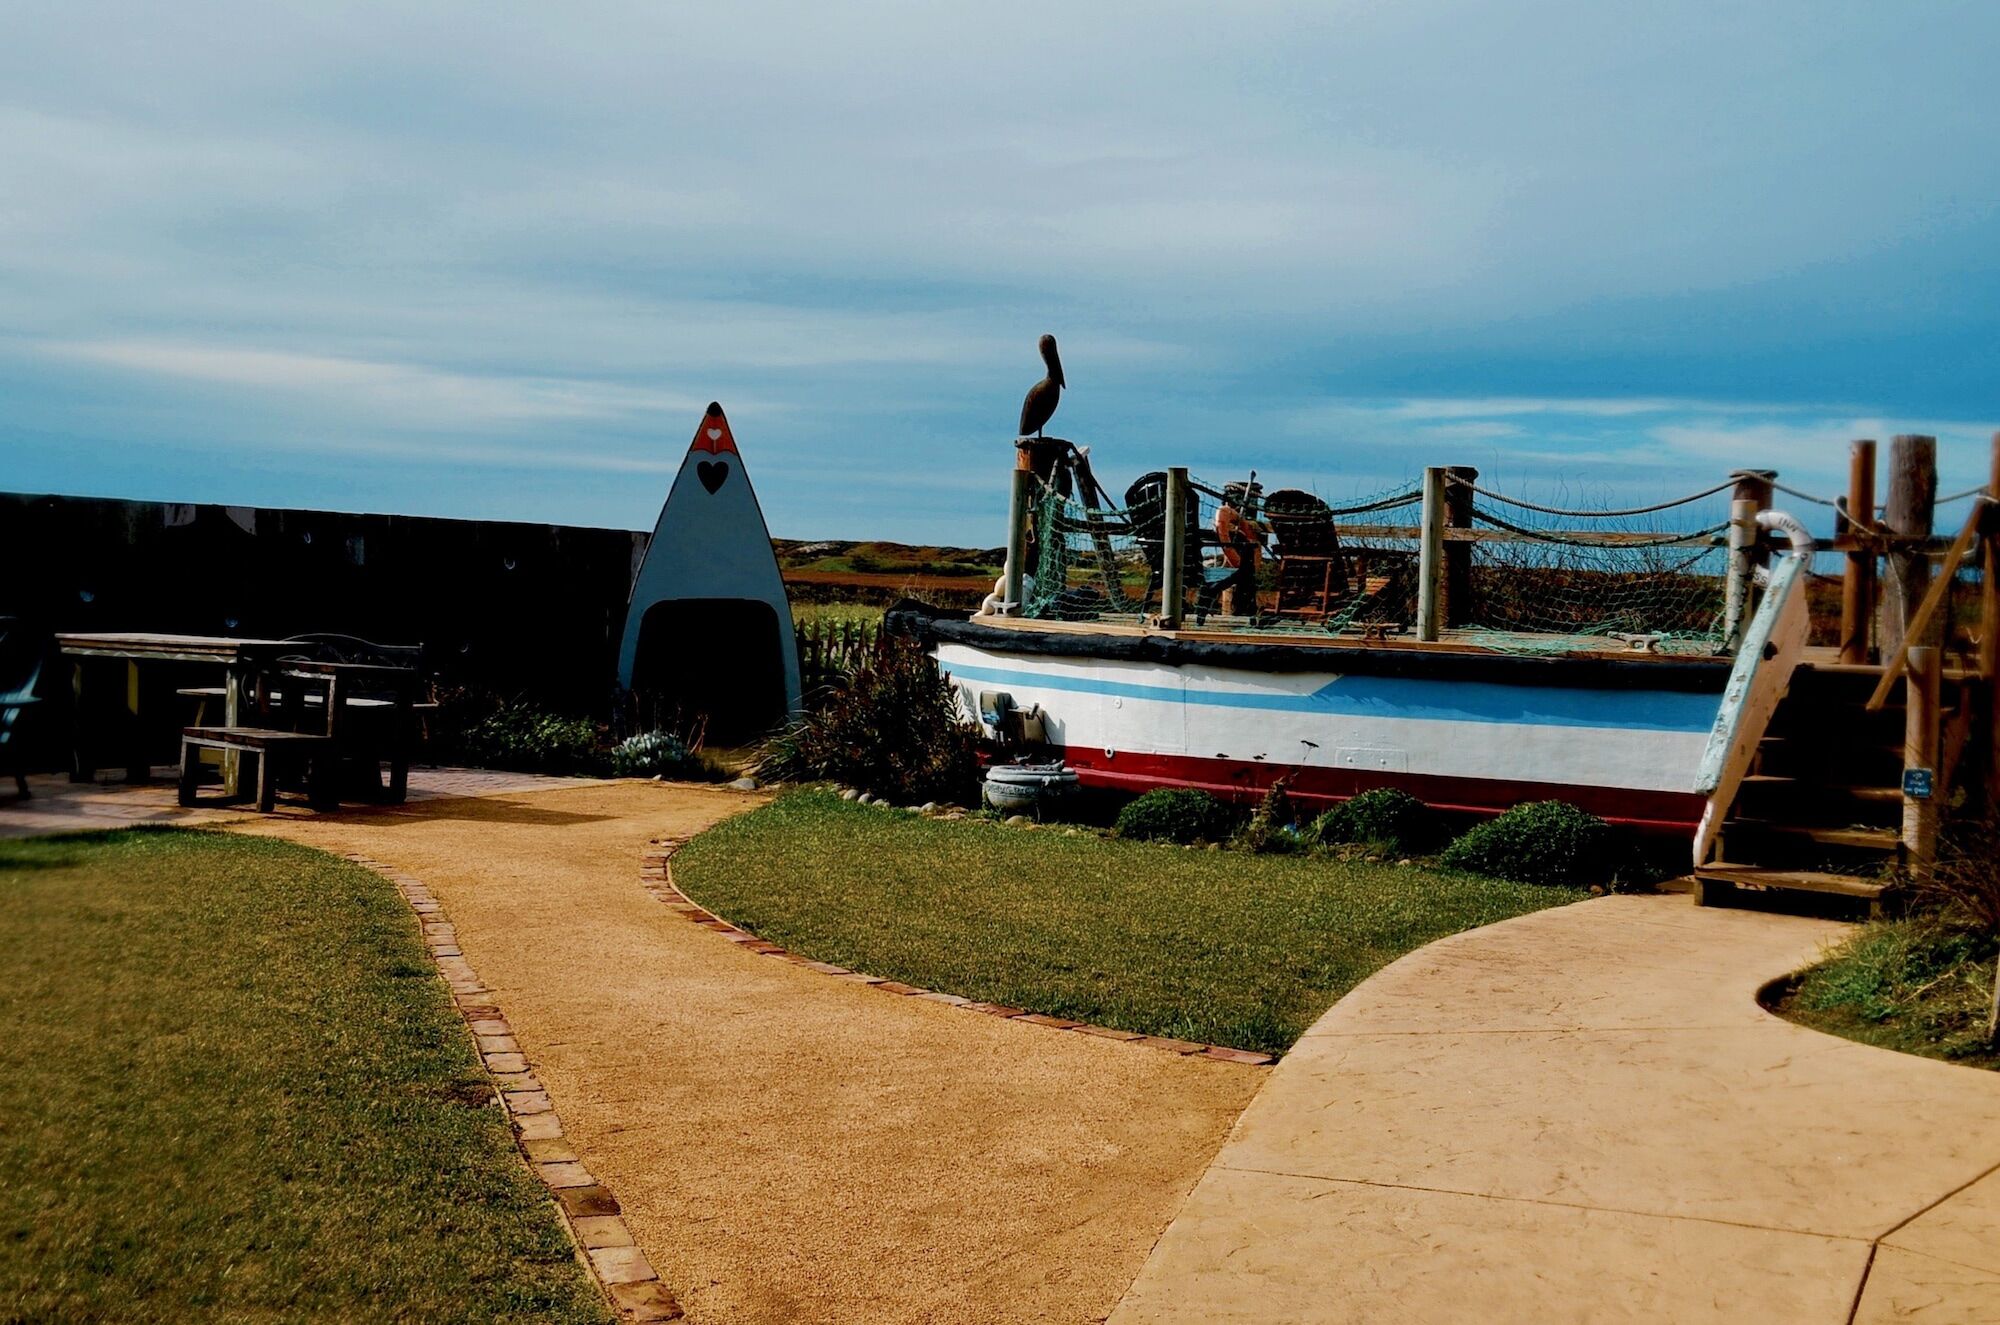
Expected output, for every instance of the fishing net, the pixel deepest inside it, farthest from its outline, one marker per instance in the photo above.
(1516, 576)
(1545, 579)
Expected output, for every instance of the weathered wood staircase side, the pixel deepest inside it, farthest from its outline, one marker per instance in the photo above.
(1821, 809)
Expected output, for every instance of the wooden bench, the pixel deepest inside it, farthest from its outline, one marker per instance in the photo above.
(312, 755)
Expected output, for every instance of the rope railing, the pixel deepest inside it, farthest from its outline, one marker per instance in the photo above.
(1706, 536)
(1835, 502)
(1539, 509)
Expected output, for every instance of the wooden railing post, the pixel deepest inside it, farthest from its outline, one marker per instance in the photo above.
(1430, 555)
(1458, 553)
(1751, 494)
(1857, 587)
(1018, 502)
(1920, 753)
(1908, 510)
(1173, 550)
(1989, 632)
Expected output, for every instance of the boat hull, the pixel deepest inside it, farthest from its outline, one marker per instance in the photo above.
(1459, 735)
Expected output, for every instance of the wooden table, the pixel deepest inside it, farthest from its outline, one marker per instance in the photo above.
(241, 661)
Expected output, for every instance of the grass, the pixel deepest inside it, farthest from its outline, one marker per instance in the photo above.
(834, 614)
(1222, 947)
(1921, 985)
(238, 1091)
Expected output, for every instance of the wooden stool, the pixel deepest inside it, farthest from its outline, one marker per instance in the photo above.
(268, 748)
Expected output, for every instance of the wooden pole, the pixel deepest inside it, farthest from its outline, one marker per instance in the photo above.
(1751, 494)
(1857, 588)
(1989, 637)
(1458, 555)
(1908, 510)
(1920, 752)
(1018, 502)
(1736, 588)
(1173, 550)
(1430, 555)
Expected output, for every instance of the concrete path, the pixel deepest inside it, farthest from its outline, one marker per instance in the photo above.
(790, 1147)
(1584, 1115)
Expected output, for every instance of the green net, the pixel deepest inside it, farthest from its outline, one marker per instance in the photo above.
(1557, 582)
(1515, 577)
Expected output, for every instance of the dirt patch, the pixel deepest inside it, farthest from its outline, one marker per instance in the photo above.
(789, 1147)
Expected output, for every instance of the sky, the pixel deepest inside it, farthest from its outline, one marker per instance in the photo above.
(491, 260)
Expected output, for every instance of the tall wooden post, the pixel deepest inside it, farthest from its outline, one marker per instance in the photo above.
(1018, 501)
(1989, 632)
(1920, 752)
(1173, 550)
(1457, 552)
(1430, 555)
(1857, 586)
(1736, 587)
(1751, 494)
(1908, 510)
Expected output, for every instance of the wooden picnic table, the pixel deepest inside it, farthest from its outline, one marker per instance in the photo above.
(241, 660)
(348, 691)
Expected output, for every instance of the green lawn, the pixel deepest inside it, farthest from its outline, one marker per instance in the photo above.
(236, 1090)
(1222, 947)
(1919, 985)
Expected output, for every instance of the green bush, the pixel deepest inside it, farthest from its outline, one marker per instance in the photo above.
(1271, 826)
(1176, 816)
(1385, 817)
(1539, 842)
(894, 730)
(525, 739)
(663, 754)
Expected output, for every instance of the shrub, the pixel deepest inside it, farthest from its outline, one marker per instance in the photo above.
(529, 740)
(1270, 828)
(1385, 817)
(1539, 842)
(894, 730)
(1965, 885)
(1176, 816)
(661, 753)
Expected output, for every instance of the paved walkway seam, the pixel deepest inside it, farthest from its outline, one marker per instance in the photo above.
(659, 881)
(595, 1221)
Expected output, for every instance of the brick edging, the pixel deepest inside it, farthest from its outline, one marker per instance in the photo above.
(658, 877)
(590, 1212)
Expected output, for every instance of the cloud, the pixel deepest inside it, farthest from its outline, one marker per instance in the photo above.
(412, 394)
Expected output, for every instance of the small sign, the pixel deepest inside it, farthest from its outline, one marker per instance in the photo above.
(1917, 783)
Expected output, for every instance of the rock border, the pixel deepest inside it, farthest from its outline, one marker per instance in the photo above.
(595, 1221)
(657, 875)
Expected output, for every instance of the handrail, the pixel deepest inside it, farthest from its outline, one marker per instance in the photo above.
(1933, 599)
(1775, 636)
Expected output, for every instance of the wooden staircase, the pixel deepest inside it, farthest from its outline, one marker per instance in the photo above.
(1821, 810)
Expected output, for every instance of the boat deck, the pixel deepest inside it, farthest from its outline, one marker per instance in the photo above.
(1221, 629)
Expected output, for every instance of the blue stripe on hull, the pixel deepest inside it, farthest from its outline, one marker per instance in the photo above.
(1403, 698)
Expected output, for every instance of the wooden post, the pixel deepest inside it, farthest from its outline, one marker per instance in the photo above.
(1430, 555)
(1989, 638)
(1857, 587)
(1736, 588)
(1458, 554)
(1907, 571)
(1920, 751)
(1018, 502)
(1173, 550)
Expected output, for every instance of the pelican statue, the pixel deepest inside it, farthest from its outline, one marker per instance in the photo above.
(1040, 405)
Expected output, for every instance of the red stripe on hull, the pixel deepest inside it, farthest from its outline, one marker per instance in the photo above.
(1246, 781)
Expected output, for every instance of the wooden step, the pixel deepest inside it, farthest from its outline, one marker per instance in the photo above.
(1855, 838)
(1871, 793)
(1711, 880)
